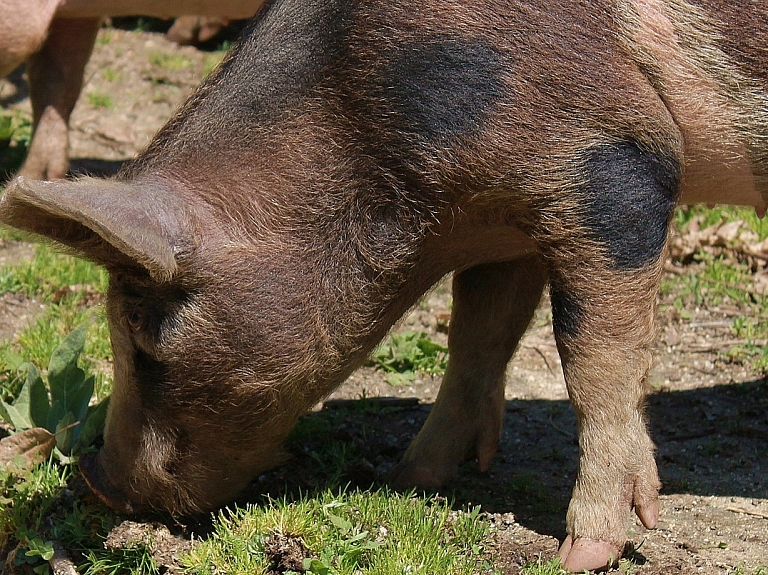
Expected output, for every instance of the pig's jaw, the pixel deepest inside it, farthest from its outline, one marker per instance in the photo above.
(93, 473)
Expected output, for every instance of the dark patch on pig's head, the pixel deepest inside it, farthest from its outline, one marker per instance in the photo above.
(440, 88)
(567, 313)
(629, 198)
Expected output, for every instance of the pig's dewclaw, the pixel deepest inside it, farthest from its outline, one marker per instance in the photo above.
(648, 513)
(582, 552)
(576, 556)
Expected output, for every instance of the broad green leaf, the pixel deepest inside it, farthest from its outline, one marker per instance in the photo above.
(316, 566)
(40, 548)
(4, 412)
(15, 361)
(79, 400)
(92, 427)
(31, 447)
(39, 405)
(64, 377)
(55, 414)
(341, 524)
(65, 433)
(19, 420)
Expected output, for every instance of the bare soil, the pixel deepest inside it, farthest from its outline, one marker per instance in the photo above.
(708, 417)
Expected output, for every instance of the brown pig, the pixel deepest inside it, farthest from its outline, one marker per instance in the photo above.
(347, 155)
(55, 38)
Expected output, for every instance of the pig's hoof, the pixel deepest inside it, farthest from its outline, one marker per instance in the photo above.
(90, 468)
(588, 554)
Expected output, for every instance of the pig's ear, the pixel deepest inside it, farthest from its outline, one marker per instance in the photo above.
(108, 221)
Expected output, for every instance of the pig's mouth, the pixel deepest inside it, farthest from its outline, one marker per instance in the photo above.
(94, 476)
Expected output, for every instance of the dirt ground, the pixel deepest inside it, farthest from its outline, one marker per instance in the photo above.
(709, 418)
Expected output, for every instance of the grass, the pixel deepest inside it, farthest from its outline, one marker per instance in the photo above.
(721, 214)
(343, 533)
(66, 287)
(169, 61)
(112, 75)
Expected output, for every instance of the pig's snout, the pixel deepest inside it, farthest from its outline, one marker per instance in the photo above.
(94, 475)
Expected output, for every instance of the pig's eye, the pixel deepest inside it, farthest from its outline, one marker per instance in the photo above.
(137, 320)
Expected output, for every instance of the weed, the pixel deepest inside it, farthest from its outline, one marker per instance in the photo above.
(135, 559)
(66, 285)
(404, 354)
(111, 75)
(26, 500)
(67, 415)
(98, 100)
(15, 135)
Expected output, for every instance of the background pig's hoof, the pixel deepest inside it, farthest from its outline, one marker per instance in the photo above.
(410, 474)
(588, 554)
(94, 477)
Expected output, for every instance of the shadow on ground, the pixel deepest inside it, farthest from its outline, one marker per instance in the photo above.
(711, 441)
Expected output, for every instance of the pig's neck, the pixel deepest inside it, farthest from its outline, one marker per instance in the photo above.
(361, 297)
(357, 302)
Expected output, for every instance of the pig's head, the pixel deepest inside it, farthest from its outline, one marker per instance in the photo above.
(206, 336)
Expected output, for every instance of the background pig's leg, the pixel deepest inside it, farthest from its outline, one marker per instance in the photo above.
(23, 28)
(492, 307)
(55, 80)
(604, 284)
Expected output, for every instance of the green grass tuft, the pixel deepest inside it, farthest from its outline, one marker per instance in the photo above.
(344, 533)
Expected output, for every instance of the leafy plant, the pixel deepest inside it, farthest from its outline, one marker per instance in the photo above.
(65, 418)
(15, 135)
(404, 354)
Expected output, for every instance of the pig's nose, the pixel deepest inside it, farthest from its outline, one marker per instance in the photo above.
(93, 473)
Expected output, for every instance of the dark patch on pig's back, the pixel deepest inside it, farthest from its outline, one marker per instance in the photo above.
(279, 60)
(440, 88)
(629, 198)
(567, 312)
(284, 54)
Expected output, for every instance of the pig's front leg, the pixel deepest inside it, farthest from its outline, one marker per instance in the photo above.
(604, 285)
(55, 80)
(492, 307)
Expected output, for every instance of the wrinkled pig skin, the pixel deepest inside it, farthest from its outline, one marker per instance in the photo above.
(55, 38)
(347, 155)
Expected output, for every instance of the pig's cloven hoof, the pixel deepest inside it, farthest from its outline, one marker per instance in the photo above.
(589, 554)
(90, 468)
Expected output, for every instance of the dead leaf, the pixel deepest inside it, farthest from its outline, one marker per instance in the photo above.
(33, 446)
